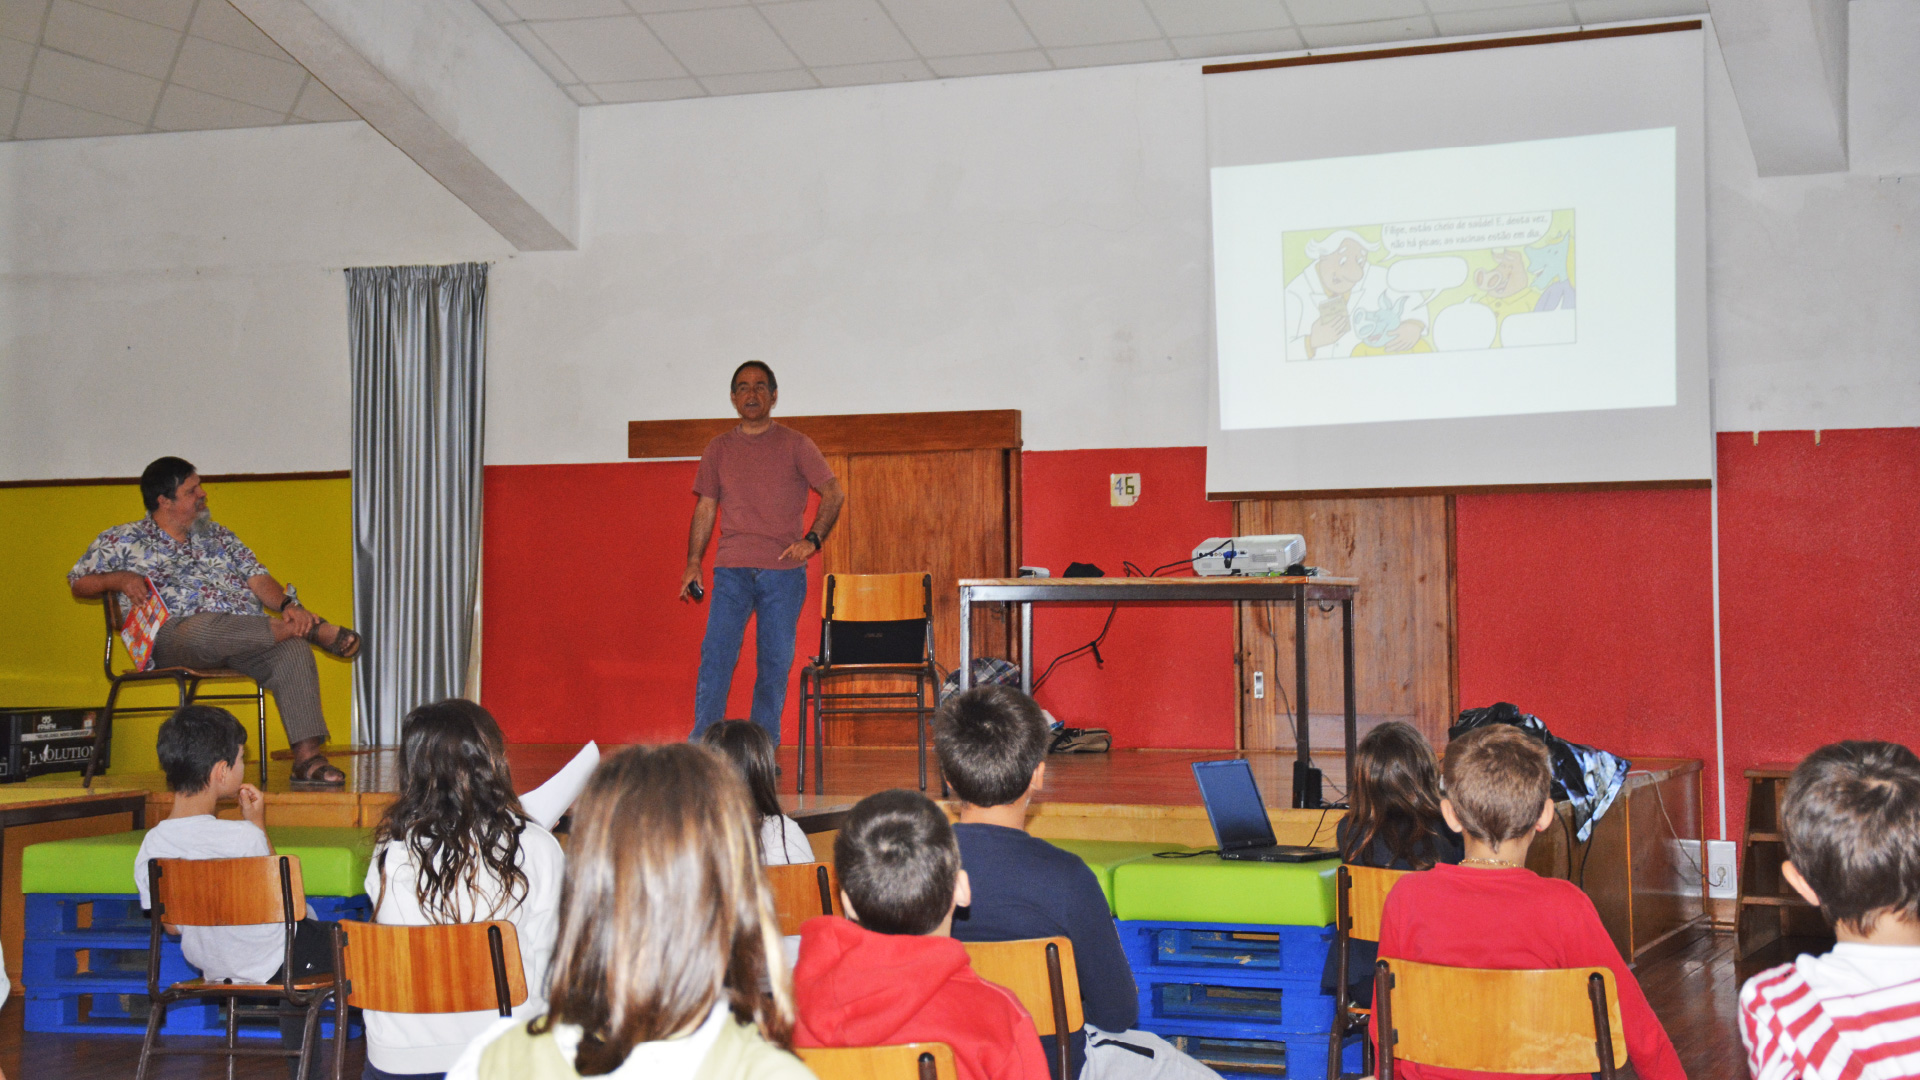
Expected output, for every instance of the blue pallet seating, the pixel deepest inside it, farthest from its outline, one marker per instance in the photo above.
(84, 967)
(1270, 1056)
(1293, 953)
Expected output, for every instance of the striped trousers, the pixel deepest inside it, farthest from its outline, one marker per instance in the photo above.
(245, 644)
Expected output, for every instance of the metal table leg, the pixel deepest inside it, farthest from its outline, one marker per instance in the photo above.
(966, 638)
(1026, 649)
(1346, 661)
(1303, 749)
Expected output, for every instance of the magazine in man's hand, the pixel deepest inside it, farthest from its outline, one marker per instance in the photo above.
(142, 626)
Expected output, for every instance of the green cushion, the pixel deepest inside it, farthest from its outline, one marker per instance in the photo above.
(333, 861)
(1101, 856)
(1208, 889)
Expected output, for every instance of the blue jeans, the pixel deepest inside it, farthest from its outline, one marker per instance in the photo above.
(774, 599)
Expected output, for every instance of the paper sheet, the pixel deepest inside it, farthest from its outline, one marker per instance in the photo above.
(548, 802)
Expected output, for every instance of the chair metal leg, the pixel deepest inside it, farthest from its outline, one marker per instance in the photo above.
(800, 753)
(1602, 1031)
(1056, 984)
(819, 740)
(233, 1029)
(310, 1034)
(102, 734)
(1383, 1019)
(156, 1014)
(260, 707)
(920, 719)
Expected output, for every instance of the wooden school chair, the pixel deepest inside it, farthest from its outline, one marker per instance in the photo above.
(803, 891)
(186, 682)
(872, 626)
(232, 892)
(1362, 892)
(458, 967)
(908, 1061)
(1041, 973)
(1553, 1021)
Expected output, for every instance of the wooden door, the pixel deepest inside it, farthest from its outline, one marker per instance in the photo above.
(1399, 549)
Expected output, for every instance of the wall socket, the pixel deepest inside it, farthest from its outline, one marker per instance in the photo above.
(1259, 685)
(1723, 879)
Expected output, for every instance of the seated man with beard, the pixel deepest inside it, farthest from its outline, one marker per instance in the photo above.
(217, 596)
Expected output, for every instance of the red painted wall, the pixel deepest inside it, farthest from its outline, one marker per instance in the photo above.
(1168, 680)
(1593, 611)
(1820, 593)
(583, 636)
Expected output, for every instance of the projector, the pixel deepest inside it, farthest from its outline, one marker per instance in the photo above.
(1229, 556)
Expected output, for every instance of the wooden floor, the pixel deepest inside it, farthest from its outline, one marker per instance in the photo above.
(1692, 991)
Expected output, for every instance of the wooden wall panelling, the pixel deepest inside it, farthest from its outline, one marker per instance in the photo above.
(976, 429)
(937, 512)
(1403, 617)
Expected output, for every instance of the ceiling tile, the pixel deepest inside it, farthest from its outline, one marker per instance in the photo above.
(1438, 6)
(648, 7)
(566, 9)
(869, 74)
(238, 75)
(1331, 12)
(9, 107)
(498, 10)
(1058, 23)
(548, 60)
(113, 40)
(581, 95)
(1191, 18)
(960, 27)
(21, 19)
(43, 119)
(990, 64)
(216, 20)
(1122, 52)
(1368, 33)
(16, 57)
(69, 80)
(649, 90)
(1601, 11)
(608, 50)
(827, 33)
(182, 109)
(319, 103)
(759, 82)
(1503, 20)
(172, 14)
(1253, 41)
(726, 41)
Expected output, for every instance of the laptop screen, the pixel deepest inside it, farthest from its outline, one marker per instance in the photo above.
(1233, 804)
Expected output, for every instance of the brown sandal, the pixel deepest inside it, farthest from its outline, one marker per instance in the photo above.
(317, 771)
(345, 643)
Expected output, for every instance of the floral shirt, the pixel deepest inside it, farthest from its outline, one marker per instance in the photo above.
(207, 573)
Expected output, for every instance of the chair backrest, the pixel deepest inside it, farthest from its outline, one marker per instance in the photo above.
(462, 967)
(876, 619)
(803, 891)
(1027, 967)
(228, 892)
(1363, 895)
(1498, 1021)
(909, 1061)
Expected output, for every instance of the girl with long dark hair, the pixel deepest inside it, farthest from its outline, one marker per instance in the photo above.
(456, 847)
(748, 746)
(1393, 789)
(667, 963)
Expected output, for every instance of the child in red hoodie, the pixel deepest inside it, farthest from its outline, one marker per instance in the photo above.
(889, 973)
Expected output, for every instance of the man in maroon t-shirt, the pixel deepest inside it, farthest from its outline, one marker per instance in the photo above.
(756, 476)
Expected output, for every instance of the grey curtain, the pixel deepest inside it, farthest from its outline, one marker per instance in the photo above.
(419, 344)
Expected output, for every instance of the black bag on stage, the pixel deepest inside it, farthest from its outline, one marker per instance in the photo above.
(1590, 779)
(1076, 740)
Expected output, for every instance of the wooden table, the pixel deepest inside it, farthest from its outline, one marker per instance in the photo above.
(23, 806)
(1299, 591)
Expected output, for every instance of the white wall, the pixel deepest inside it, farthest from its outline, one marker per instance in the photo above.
(1024, 241)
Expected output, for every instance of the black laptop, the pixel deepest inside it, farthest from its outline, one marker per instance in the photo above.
(1239, 816)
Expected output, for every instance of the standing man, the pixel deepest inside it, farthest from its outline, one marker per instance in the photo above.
(757, 476)
(217, 596)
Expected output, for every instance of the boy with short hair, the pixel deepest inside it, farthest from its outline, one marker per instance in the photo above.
(203, 752)
(1492, 912)
(1851, 823)
(992, 742)
(889, 972)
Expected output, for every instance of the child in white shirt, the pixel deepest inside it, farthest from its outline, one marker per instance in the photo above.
(746, 744)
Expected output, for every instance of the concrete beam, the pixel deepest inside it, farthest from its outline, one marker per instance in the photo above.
(1788, 62)
(455, 94)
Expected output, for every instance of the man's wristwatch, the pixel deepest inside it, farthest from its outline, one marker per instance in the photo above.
(814, 539)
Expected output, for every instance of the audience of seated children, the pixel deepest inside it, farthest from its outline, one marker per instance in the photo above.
(889, 972)
(1851, 822)
(202, 750)
(992, 742)
(666, 966)
(1490, 911)
(456, 847)
(750, 748)
(1394, 824)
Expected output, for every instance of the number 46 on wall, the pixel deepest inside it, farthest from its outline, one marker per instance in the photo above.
(1125, 488)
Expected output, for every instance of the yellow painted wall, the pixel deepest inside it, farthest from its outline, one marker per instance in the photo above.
(50, 643)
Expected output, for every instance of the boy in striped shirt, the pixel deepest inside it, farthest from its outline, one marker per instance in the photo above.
(1851, 822)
